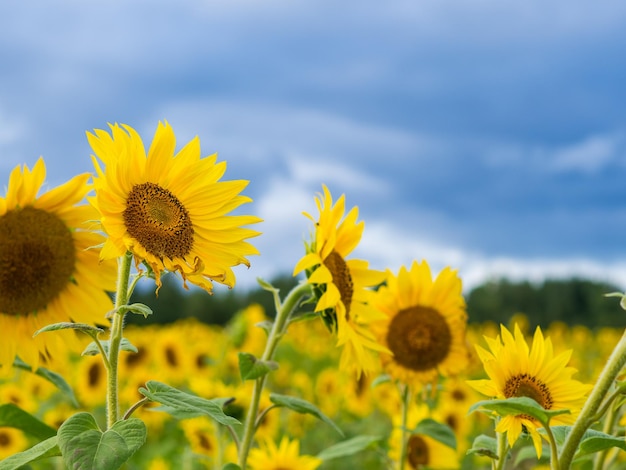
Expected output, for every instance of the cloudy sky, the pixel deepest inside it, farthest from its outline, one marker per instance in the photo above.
(485, 135)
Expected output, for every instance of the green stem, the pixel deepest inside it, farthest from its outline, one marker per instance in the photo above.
(611, 369)
(609, 424)
(554, 451)
(406, 400)
(278, 330)
(121, 298)
(502, 450)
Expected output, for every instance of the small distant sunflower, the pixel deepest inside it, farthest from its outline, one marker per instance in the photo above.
(341, 284)
(47, 273)
(169, 209)
(12, 441)
(424, 324)
(514, 370)
(285, 456)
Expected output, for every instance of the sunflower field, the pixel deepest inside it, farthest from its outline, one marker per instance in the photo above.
(351, 368)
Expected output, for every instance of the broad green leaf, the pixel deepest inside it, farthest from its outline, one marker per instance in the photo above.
(438, 431)
(484, 445)
(66, 325)
(190, 405)
(529, 453)
(517, 406)
(15, 417)
(596, 441)
(57, 380)
(85, 447)
(138, 309)
(43, 450)
(304, 407)
(251, 368)
(92, 348)
(348, 447)
(231, 466)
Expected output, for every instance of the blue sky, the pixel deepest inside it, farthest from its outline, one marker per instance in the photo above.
(485, 135)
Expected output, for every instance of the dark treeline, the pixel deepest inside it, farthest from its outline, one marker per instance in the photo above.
(573, 301)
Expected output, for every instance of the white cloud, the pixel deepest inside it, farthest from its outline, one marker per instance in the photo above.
(591, 154)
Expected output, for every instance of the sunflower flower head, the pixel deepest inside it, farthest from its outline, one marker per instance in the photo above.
(342, 285)
(423, 326)
(169, 209)
(47, 273)
(515, 370)
(285, 456)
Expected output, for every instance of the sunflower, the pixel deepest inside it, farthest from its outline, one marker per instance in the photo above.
(514, 370)
(47, 273)
(341, 284)
(424, 324)
(169, 210)
(12, 441)
(285, 456)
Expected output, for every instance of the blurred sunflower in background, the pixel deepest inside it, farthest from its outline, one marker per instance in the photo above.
(342, 285)
(48, 274)
(423, 326)
(285, 456)
(169, 209)
(515, 370)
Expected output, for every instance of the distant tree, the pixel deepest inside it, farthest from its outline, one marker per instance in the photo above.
(573, 301)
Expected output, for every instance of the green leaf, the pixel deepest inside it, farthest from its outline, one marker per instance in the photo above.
(187, 404)
(517, 406)
(231, 466)
(381, 379)
(266, 285)
(304, 407)
(438, 431)
(57, 380)
(66, 325)
(486, 446)
(92, 348)
(265, 325)
(15, 417)
(622, 297)
(348, 447)
(596, 441)
(85, 447)
(138, 309)
(43, 450)
(251, 368)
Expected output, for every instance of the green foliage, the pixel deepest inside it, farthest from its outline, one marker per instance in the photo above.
(43, 450)
(251, 368)
(348, 447)
(85, 447)
(304, 407)
(573, 301)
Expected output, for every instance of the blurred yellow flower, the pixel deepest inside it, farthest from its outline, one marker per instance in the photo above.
(169, 209)
(515, 370)
(341, 284)
(47, 273)
(424, 324)
(285, 456)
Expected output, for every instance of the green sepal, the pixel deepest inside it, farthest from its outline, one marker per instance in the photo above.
(251, 368)
(303, 407)
(85, 447)
(348, 447)
(186, 404)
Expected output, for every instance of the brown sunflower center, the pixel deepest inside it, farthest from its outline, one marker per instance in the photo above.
(341, 278)
(37, 258)
(526, 385)
(417, 452)
(5, 440)
(419, 338)
(158, 221)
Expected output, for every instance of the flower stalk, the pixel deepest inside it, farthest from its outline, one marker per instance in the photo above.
(587, 415)
(121, 298)
(281, 322)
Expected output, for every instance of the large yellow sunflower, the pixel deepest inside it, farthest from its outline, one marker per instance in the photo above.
(514, 370)
(169, 209)
(285, 456)
(47, 273)
(341, 284)
(424, 324)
